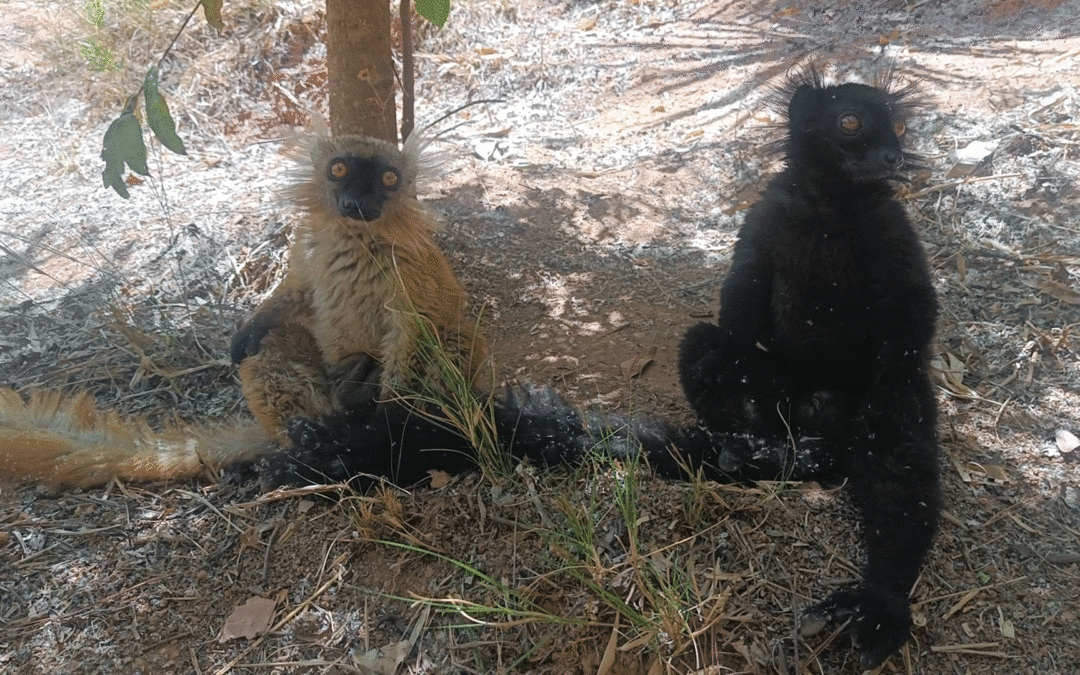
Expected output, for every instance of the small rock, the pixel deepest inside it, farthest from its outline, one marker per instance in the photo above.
(1072, 497)
(975, 151)
(1066, 440)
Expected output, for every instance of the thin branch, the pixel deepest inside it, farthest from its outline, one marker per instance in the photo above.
(408, 93)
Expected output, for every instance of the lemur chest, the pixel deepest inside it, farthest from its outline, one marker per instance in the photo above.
(355, 296)
(823, 292)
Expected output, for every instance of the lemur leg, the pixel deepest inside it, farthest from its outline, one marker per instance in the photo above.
(734, 391)
(893, 480)
(742, 390)
(355, 380)
(286, 379)
(289, 303)
(762, 424)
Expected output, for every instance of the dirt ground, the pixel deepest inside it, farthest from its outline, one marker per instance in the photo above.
(590, 211)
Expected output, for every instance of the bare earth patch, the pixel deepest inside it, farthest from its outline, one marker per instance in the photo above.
(591, 214)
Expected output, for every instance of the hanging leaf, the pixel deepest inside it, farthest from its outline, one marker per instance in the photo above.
(212, 12)
(435, 11)
(123, 144)
(157, 114)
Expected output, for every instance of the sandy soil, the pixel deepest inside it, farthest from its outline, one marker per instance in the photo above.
(591, 214)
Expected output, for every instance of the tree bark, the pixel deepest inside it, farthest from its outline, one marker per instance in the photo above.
(360, 69)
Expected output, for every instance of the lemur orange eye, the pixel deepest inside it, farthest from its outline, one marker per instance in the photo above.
(338, 170)
(390, 178)
(899, 128)
(849, 124)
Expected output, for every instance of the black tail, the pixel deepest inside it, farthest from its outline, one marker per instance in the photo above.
(401, 443)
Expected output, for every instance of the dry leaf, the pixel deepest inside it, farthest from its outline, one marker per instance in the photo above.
(891, 37)
(992, 471)
(439, 479)
(1006, 626)
(386, 661)
(959, 170)
(249, 620)
(951, 371)
(1056, 290)
(965, 475)
(961, 602)
(634, 367)
(609, 654)
(1059, 292)
(587, 24)
(1072, 497)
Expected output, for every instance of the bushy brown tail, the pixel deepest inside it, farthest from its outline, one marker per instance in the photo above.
(67, 441)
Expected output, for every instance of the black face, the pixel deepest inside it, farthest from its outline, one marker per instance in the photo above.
(362, 185)
(852, 131)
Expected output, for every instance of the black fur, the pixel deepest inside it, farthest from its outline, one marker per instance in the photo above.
(402, 443)
(816, 370)
(826, 319)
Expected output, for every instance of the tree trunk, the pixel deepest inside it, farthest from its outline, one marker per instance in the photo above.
(360, 68)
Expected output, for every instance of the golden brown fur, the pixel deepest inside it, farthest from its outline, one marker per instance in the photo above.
(67, 441)
(376, 292)
(360, 297)
(286, 379)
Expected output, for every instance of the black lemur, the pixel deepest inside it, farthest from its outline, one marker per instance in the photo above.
(816, 370)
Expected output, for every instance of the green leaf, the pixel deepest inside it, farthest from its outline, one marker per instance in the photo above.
(157, 114)
(212, 12)
(113, 176)
(435, 11)
(123, 145)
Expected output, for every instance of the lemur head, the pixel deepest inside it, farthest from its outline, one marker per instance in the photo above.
(356, 177)
(361, 185)
(851, 131)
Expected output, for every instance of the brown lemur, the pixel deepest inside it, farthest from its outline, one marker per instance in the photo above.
(367, 282)
(368, 295)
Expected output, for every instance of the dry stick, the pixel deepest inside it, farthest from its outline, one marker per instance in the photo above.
(973, 648)
(408, 94)
(25, 562)
(814, 653)
(796, 610)
(462, 107)
(205, 502)
(69, 616)
(963, 181)
(946, 596)
(172, 43)
(266, 553)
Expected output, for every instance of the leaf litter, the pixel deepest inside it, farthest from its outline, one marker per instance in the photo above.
(595, 227)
